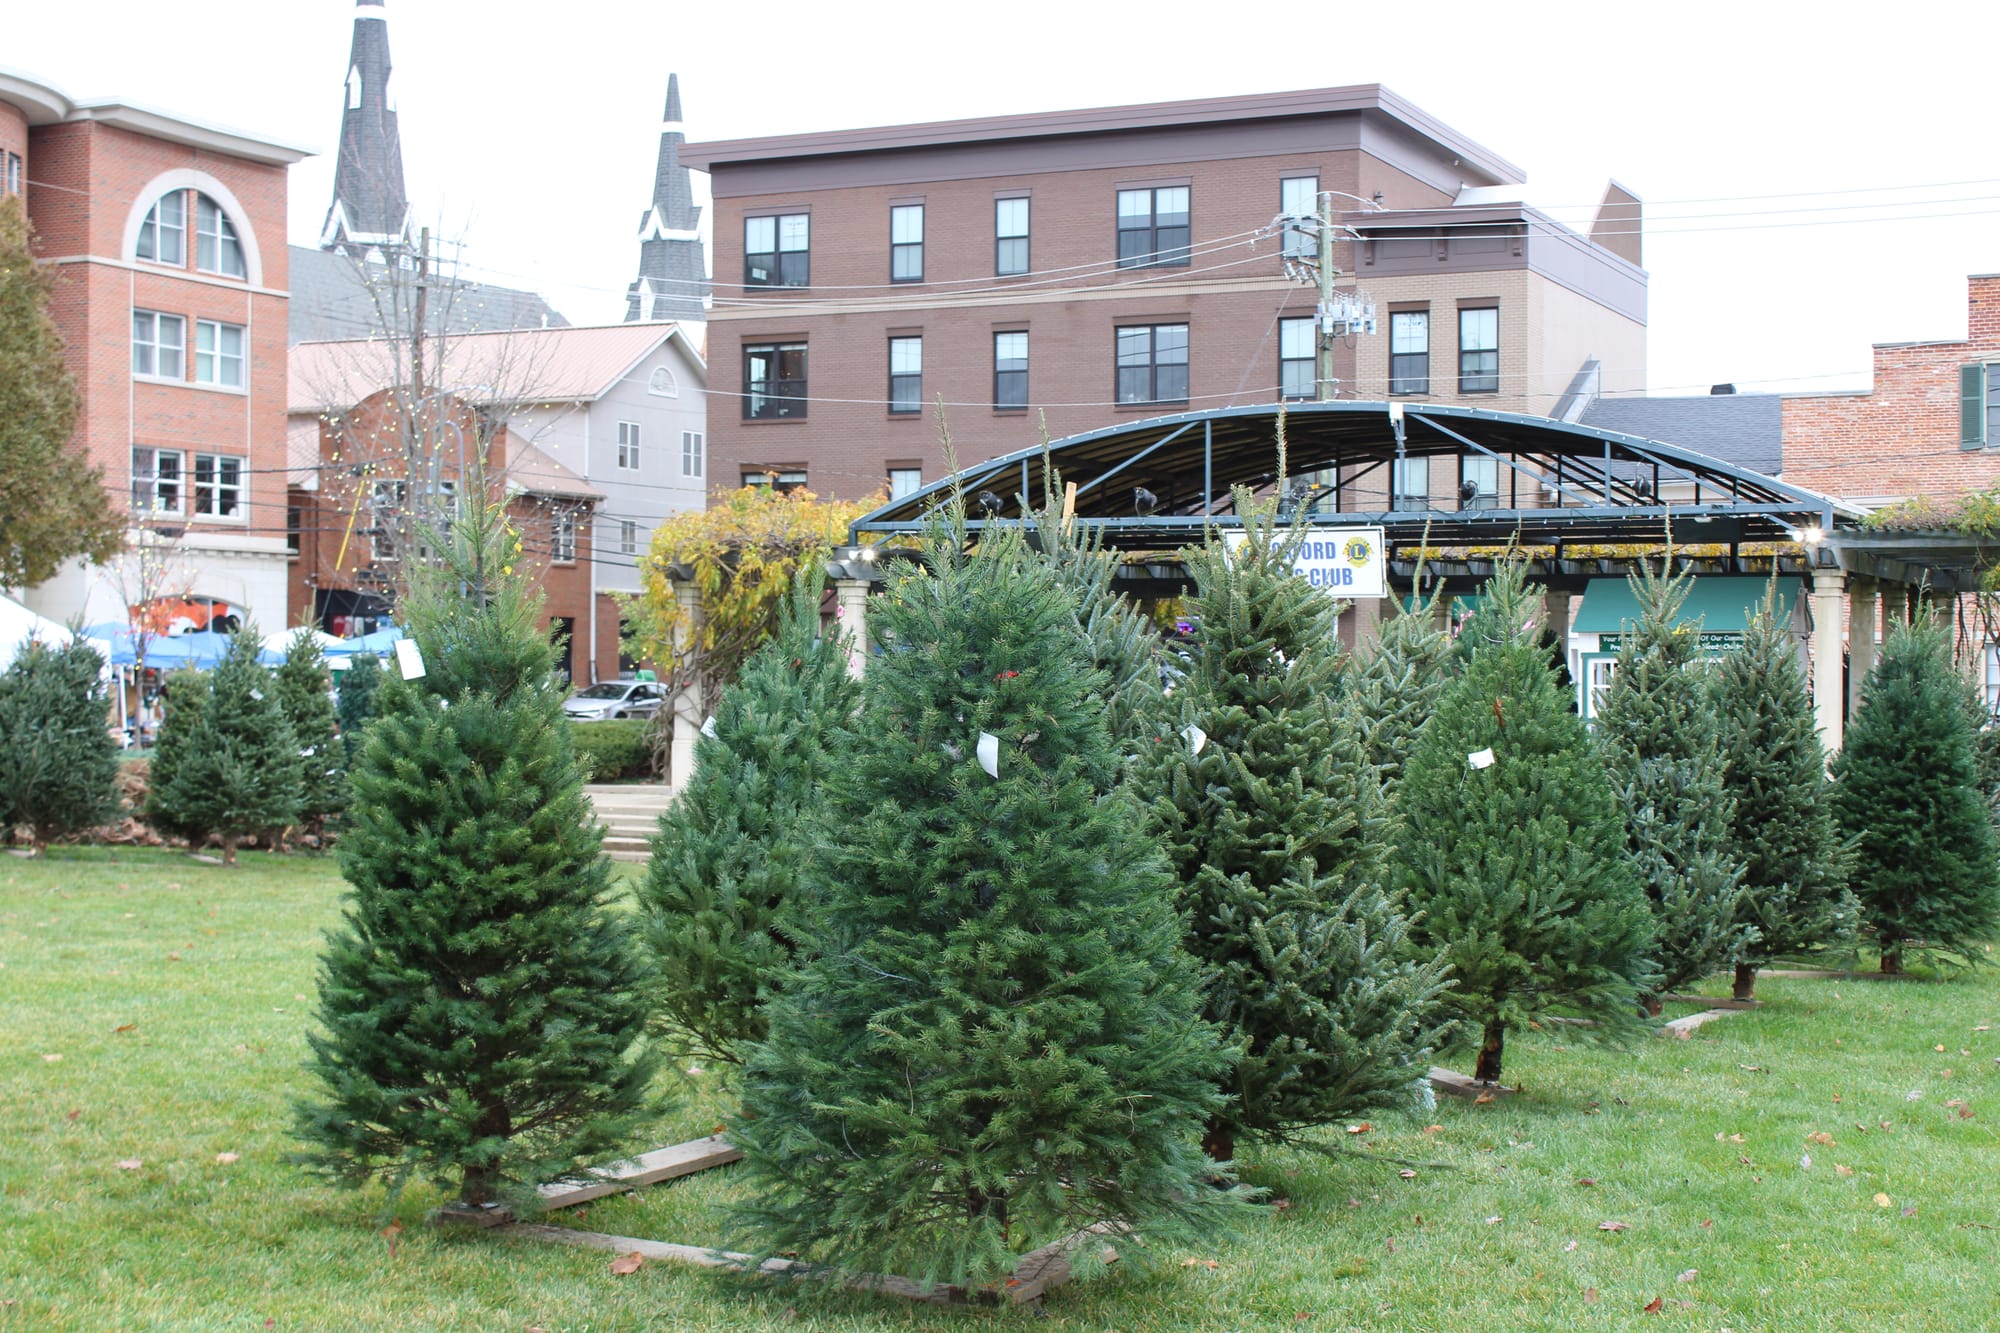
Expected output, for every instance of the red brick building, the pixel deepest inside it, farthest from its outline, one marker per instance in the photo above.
(169, 238)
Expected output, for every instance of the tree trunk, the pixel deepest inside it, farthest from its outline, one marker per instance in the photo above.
(229, 849)
(1746, 981)
(1892, 959)
(1488, 1068)
(1219, 1142)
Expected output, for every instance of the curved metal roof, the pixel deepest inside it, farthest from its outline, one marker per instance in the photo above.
(1558, 482)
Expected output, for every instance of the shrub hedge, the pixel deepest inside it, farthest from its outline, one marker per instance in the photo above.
(614, 748)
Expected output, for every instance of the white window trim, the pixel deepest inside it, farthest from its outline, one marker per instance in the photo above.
(241, 487)
(694, 449)
(242, 358)
(156, 376)
(628, 446)
(181, 480)
(562, 536)
(184, 178)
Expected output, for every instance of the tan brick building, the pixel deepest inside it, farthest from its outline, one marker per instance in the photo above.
(1090, 267)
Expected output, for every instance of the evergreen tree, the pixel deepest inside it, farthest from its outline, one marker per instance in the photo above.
(1278, 831)
(1516, 859)
(728, 859)
(996, 1038)
(1774, 769)
(482, 1005)
(184, 699)
(57, 760)
(1398, 683)
(235, 770)
(1906, 789)
(357, 702)
(303, 685)
(1662, 747)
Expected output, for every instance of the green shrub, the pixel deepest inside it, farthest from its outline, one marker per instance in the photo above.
(614, 748)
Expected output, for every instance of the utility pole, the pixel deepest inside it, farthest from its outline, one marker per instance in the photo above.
(1328, 387)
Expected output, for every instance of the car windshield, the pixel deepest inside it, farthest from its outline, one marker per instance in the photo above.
(608, 690)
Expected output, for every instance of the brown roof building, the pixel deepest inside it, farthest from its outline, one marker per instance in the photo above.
(1072, 270)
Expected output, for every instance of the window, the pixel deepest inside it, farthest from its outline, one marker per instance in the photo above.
(1479, 350)
(1479, 482)
(694, 453)
(1153, 226)
(294, 527)
(386, 517)
(1010, 236)
(1010, 370)
(663, 383)
(562, 536)
(216, 249)
(905, 481)
(11, 184)
(628, 537)
(906, 375)
(1978, 406)
(156, 481)
(628, 445)
(1298, 197)
(1412, 484)
(1298, 359)
(159, 344)
(906, 243)
(1409, 351)
(1153, 363)
(776, 252)
(163, 235)
(218, 354)
(787, 480)
(218, 486)
(774, 381)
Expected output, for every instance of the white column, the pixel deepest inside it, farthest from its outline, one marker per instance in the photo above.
(851, 597)
(1860, 639)
(686, 718)
(1829, 696)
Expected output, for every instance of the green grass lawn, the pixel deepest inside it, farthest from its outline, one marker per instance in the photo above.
(152, 1008)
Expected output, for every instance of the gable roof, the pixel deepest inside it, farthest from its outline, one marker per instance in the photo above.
(536, 473)
(331, 298)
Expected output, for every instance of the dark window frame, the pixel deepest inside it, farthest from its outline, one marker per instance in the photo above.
(782, 266)
(1128, 372)
(1153, 244)
(906, 258)
(1010, 384)
(1478, 366)
(777, 397)
(1011, 250)
(906, 388)
(1289, 366)
(1409, 372)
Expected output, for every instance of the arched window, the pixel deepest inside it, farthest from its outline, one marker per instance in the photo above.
(216, 248)
(663, 383)
(163, 235)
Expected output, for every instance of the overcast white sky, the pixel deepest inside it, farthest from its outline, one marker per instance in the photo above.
(1758, 133)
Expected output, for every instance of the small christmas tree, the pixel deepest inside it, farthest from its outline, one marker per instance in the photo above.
(1398, 683)
(1774, 769)
(1663, 752)
(57, 759)
(1278, 830)
(304, 697)
(184, 698)
(482, 1005)
(357, 701)
(1512, 847)
(728, 858)
(996, 1038)
(1906, 789)
(236, 769)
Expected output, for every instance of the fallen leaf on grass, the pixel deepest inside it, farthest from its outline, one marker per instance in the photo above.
(1433, 1129)
(1567, 1248)
(1361, 1128)
(1842, 1170)
(390, 1232)
(1707, 1223)
(1281, 1205)
(1482, 1099)
(1753, 1069)
(1586, 1181)
(1613, 1226)
(226, 1159)
(52, 1059)
(1407, 1174)
(1491, 1220)
(1805, 1161)
(73, 1116)
(1820, 1136)
(126, 1027)
(627, 1263)
(1883, 1200)
(1210, 1264)
(1687, 1275)
(129, 1164)
(1911, 1211)
(1590, 1296)
(1653, 1306)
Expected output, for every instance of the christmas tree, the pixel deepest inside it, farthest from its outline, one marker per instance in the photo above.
(304, 696)
(57, 759)
(1774, 769)
(729, 855)
(1906, 789)
(184, 698)
(1398, 683)
(995, 1040)
(235, 769)
(357, 701)
(1278, 830)
(1663, 753)
(1512, 846)
(482, 1005)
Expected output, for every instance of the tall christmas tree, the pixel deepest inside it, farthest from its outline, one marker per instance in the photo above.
(235, 769)
(184, 697)
(1278, 830)
(1774, 769)
(996, 1038)
(1512, 847)
(357, 702)
(1398, 683)
(304, 685)
(730, 853)
(57, 760)
(1906, 789)
(1663, 752)
(482, 1005)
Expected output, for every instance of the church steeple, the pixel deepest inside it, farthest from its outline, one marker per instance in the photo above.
(672, 267)
(370, 208)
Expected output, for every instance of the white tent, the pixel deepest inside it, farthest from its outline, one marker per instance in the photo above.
(281, 640)
(18, 625)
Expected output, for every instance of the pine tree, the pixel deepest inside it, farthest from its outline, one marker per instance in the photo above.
(1906, 789)
(1398, 683)
(1662, 748)
(184, 697)
(235, 770)
(302, 681)
(57, 759)
(357, 701)
(996, 1039)
(482, 1005)
(1279, 831)
(1774, 768)
(1517, 865)
(728, 859)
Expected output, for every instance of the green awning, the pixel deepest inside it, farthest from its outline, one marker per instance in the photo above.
(1722, 603)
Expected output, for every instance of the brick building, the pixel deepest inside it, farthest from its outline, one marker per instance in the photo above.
(169, 238)
(1091, 267)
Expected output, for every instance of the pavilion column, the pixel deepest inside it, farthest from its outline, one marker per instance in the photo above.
(1860, 638)
(685, 718)
(851, 597)
(1829, 693)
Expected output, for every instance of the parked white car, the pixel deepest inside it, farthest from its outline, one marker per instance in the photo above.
(615, 698)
